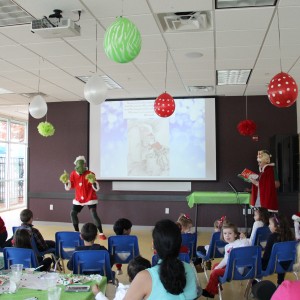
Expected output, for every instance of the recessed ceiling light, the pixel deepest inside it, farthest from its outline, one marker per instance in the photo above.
(244, 3)
(228, 77)
(112, 85)
(193, 54)
(4, 91)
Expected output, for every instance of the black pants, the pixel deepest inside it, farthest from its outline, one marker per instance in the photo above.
(76, 209)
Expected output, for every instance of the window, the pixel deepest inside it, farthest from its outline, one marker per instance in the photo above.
(13, 164)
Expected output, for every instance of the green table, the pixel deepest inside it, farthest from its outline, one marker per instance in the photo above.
(218, 198)
(24, 293)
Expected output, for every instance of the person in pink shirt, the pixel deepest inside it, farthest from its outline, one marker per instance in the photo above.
(289, 289)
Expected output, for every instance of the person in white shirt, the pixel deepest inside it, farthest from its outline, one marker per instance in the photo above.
(296, 219)
(230, 235)
(136, 265)
(261, 218)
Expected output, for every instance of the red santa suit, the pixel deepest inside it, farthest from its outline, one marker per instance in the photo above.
(85, 192)
(266, 189)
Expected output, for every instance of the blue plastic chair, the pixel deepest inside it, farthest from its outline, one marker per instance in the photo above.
(189, 240)
(23, 256)
(65, 244)
(244, 263)
(93, 262)
(216, 250)
(182, 256)
(123, 248)
(261, 237)
(282, 258)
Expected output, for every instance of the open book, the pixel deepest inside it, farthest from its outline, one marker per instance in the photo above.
(247, 175)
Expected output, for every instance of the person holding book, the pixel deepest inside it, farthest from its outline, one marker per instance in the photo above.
(263, 188)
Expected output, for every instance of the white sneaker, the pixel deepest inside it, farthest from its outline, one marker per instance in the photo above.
(119, 272)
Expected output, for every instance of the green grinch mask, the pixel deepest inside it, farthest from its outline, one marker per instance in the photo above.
(80, 166)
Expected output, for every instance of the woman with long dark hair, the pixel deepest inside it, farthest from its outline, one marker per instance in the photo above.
(170, 278)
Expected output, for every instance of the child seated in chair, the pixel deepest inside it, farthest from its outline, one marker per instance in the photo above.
(136, 265)
(122, 227)
(204, 249)
(186, 223)
(261, 218)
(26, 217)
(22, 239)
(3, 235)
(230, 235)
(88, 234)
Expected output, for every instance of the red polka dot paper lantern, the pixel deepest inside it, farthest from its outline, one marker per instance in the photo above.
(282, 90)
(246, 127)
(164, 105)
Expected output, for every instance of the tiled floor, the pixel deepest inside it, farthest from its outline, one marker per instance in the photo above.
(231, 291)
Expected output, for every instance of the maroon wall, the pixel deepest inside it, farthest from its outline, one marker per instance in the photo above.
(48, 157)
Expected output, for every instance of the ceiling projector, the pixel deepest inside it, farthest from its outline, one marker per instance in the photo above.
(46, 29)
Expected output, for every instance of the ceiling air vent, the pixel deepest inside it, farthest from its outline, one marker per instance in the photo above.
(185, 21)
(200, 89)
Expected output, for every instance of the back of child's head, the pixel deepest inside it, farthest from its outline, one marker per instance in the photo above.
(282, 226)
(88, 232)
(263, 215)
(137, 265)
(229, 225)
(26, 215)
(185, 222)
(22, 238)
(218, 224)
(122, 225)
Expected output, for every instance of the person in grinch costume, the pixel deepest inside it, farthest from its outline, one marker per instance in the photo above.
(85, 185)
(263, 188)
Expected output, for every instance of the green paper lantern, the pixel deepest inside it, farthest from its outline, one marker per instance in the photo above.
(122, 41)
(46, 129)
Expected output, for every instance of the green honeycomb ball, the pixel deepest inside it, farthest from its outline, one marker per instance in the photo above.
(122, 41)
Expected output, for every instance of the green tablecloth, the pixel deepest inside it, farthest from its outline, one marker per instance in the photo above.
(217, 198)
(24, 293)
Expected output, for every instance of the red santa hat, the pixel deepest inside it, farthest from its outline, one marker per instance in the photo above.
(81, 157)
(296, 217)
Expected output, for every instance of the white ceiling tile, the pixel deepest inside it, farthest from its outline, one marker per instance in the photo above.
(230, 90)
(227, 64)
(249, 52)
(243, 18)
(179, 5)
(239, 38)
(190, 40)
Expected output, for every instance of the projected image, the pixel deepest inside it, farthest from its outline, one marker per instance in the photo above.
(136, 144)
(148, 148)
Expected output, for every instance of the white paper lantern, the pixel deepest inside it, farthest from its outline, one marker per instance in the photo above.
(38, 107)
(95, 90)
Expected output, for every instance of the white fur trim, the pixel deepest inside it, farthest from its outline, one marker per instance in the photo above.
(97, 188)
(91, 202)
(68, 185)
(271, 165)
(296, 218)
(81, 157)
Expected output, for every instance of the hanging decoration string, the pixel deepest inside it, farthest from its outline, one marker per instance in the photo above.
(96, 48)
(122, 8)
(246, 107)
(279, 40)
(166, 70)
(39, 74)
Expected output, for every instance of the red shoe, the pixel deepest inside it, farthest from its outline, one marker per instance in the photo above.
(102, 236)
